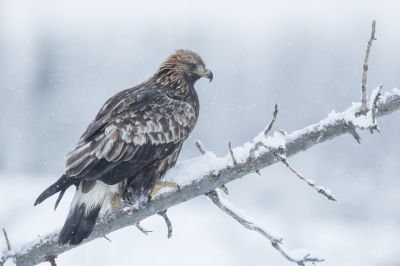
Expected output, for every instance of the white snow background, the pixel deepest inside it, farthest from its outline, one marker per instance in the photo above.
(59, 62)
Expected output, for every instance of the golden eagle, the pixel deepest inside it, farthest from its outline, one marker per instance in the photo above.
(130, 145)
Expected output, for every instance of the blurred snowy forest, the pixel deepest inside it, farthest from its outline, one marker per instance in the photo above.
(59, 62)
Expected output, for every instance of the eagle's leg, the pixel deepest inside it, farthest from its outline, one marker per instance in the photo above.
(160, 184)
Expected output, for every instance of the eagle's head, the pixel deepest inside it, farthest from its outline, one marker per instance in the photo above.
(182, 69)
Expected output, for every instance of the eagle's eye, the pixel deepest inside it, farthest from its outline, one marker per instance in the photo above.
(192, 66)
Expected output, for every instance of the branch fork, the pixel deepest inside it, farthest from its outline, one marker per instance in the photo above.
(225, 206)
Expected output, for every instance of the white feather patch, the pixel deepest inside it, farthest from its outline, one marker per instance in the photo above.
(100, 195)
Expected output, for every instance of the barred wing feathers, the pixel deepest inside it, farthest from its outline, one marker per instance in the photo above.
(134, 128)
(139, 128)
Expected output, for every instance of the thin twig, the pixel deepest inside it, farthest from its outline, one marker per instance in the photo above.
(167, 221)
(224, 189)
(7, 240)
(107, 238)
(353, 132)
(268, 128)
(276, 243)
(51, 259)
(309, 182)
(374, 107)
(141, 229)
(364, 107)
(232, 155)
(214, 197)
(200, 147)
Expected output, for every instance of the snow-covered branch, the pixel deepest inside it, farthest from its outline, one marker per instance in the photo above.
(207, 172)
(299, 256)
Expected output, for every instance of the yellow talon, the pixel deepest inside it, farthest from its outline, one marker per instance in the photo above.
(159, 185)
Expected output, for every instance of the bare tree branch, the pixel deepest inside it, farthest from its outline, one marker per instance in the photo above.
(5, 256)
(163, 214)
(214, 196)
(374, 106)
(224, 189)
(268, 128)
(141, 229)
(232, 155)
(364, 108)
(109, 240)
(200, 147)
(353, 132)
(7, 240)
(275, 238)
(321, 190)
(282, 158)
(51, 259)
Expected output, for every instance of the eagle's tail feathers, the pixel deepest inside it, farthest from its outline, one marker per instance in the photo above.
(63, 183)
(59, 198)
(85, 208)
(79, 224)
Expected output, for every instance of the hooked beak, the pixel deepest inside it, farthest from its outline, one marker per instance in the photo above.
(205, 72)
(208, 74)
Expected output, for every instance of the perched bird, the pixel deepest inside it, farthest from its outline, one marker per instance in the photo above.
(130, 145)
